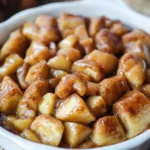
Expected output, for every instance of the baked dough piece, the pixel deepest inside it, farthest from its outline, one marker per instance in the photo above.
(107, 61)
(90, 68)
(74, 109)
(10, 94)
(48, 128)
(107, 130)
(97, 105)
(75, 133)
(133, 68)
(28, 105)
(111, 89)
(133, 109)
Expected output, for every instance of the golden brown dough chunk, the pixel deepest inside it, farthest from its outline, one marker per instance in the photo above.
(69, 21)
(54, 82)
(7, 123)
(145, 89)
(119, 29)
(75, 133)
(39, 71)
(67, 32)
(96, 24)
(109, 23)
(140, 49)
(113, 88)
(60, 62)
(108, 62)
(71, 53)
(133, 68)
(85, 41)
(28, 105)
(49, 129)
(70, 41)
(21, 74)
(53, 49)
(109, 42)
(10, 94)
(56, 76)
(22, 124)
(133, 109)
(90, 68)
(11, 64)
(74, 109)
(97, 105)
(107, 131)
(69, 84)
(47, 22)
(43, 34)
(30, 135)
(47, 104)
(83, 76)
(88, 144)
(36, 52)
(16, 43)
(58, 73)
(134, 36)
(92, 88)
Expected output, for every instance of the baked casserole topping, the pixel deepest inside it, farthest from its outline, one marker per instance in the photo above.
(75, 82)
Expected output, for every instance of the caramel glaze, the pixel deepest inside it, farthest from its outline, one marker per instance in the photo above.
(96, 68)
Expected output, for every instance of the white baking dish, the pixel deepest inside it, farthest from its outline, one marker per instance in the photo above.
(114, 9)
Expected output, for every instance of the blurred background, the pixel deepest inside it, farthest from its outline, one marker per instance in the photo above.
(10, 7)
(141, 6)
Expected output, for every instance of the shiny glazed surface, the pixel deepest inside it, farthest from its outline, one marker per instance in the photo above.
(76, 81)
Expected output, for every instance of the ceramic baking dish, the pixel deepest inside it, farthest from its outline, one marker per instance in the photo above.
(114, 9)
